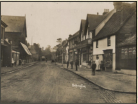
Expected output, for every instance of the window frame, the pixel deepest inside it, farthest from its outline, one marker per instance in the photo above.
(96, 43)
(109, 41)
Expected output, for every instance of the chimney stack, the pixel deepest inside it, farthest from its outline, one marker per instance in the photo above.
(105, 11)
(117, 6)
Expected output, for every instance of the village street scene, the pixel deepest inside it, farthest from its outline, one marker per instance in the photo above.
(68, 52)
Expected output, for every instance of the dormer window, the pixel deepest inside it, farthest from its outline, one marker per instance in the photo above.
(108, 41)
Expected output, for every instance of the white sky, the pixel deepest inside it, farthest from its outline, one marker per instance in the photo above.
(47, 21)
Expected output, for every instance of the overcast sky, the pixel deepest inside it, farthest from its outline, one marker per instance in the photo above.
(47, 21)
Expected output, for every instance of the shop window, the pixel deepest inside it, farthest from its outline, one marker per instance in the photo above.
(128, 53)
(108, 41)
(1, 33)
(84, 57)
(97, 44)
(90, 34)
(134, 52)
(124, 53)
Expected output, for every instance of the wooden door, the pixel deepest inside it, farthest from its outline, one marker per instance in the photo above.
(108, 60)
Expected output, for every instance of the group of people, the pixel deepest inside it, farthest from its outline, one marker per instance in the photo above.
(21, 62)
(96, 65)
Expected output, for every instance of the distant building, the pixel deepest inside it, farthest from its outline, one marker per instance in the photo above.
(5, 47)
(17, 33)
(65, 51)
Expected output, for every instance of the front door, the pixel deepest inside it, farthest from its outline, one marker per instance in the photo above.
(108, 60)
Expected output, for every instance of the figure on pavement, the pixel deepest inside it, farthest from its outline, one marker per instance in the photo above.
(93, 68)
(76, 64)
(67, 64)
(71, 64)
(97, 61)
(12, 62)
(46, 59)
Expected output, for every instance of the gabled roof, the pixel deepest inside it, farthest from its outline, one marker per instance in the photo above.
(83, 23)
(114, 23)
(74, 35)
(129, 41)
(94, 20)
(64, 42)
(82, 26)
(15, 23)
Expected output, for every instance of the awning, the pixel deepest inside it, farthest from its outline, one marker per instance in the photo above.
(26, 49)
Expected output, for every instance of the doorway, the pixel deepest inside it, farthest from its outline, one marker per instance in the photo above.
(108, 59)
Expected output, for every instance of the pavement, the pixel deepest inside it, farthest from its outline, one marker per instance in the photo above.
(5, 70)
(118, 82)
(46, 82)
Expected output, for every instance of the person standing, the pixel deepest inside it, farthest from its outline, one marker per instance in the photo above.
(93, 68)
(76, 64)
(12, 62)
(67, 64)
(46, 59)
(97, 62)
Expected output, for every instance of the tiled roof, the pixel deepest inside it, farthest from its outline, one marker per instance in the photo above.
(15, 23)
(64, 42)
(74, 35)
(129, 41)
(83, 23)
(114, 23)
(94, 20)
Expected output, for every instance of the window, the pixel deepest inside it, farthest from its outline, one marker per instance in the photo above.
(84, 57)
(108, 41)
(2, 35)
(90, 34)
(128, 53)
(96, 43)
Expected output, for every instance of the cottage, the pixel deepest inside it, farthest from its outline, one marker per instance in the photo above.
(104, 45)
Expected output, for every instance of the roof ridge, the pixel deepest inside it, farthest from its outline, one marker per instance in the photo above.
(12, 16)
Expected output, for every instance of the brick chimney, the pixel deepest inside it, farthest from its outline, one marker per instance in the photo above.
(117, 6)
(105, 11)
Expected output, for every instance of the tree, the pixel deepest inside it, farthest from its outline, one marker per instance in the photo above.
(59, 40)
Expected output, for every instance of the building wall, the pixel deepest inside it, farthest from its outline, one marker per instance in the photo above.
(15, 37)
(101, 59)
(7, 56)
(102, 45)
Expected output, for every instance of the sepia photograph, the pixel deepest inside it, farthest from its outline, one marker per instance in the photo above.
(69, 52)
